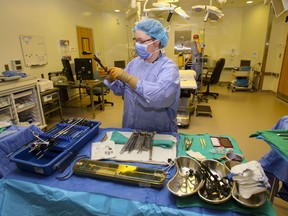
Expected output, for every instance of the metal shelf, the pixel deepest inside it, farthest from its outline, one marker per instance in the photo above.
(21, 97)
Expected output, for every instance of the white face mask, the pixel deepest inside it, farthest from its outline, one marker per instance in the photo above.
(141, 50)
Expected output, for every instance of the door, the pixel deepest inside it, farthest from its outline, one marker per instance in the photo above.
(282, 91)
(85, 43)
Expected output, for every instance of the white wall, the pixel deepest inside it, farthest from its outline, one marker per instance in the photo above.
(238, 29)
(219, 37)
(53, 19)
(115, 38)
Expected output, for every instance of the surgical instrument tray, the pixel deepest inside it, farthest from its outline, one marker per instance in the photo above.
(49, 151)
(142, 176)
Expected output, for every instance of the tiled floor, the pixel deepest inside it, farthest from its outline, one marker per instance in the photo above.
(237, 114)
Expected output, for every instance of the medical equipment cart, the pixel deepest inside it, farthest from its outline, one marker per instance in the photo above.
(186, 106)
(243, 79)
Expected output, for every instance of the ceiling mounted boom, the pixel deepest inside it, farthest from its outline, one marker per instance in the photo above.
(165, 6)
(212, 12)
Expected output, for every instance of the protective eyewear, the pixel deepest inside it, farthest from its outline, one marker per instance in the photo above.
(142, 42)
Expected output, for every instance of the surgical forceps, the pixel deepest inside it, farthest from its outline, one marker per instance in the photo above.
(203, 143)
(36, 145)
(36, 135)
(167, 169)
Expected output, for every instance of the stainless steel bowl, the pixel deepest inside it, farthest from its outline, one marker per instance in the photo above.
(234, 156)
(231, 156)
(208, 193)
(231, 163)
(188, 178)
(255, 201)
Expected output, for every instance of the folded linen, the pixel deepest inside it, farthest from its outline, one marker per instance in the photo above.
(251, 178)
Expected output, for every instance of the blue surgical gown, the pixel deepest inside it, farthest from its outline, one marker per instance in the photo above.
(159, 83)
(196, 63)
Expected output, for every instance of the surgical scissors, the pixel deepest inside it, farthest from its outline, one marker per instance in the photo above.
(168, 168)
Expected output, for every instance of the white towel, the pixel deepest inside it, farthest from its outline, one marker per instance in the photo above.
(251, 178)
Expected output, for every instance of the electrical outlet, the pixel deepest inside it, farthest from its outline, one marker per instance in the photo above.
(16, 65)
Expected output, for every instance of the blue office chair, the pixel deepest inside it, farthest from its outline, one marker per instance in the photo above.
(97, 91)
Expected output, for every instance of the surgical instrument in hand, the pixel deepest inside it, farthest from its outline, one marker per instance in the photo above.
(107, 74)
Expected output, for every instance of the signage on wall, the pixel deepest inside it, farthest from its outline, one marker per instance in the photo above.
(65, 49)
(34, 50)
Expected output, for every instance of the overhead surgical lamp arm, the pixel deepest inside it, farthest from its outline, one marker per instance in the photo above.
(165, 7)
(212, 12)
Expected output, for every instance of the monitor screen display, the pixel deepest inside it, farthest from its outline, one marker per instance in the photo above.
(245, 63)
(67, 71)
(84, 68)
(120, 64)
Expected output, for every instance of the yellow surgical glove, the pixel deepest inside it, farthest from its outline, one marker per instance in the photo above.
(119, 73)
(115, 72)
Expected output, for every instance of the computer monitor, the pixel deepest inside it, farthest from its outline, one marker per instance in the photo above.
(245, 63)
(67, 70)
(84, 68)
(120, 64)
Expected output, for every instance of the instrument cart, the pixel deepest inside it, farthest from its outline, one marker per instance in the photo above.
(186, 103)
(243, 80)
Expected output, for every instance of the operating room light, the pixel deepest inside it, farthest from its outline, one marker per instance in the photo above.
(212, 12)
(168, 1)
(164, 6)
(222, 1)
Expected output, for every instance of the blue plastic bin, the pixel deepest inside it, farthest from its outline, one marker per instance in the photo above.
(66, 148)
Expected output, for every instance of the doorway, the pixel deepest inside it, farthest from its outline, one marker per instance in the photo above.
(85, 43)
(283, 85)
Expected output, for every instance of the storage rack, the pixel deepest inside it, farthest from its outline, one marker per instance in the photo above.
(51, 102)
(20, 102)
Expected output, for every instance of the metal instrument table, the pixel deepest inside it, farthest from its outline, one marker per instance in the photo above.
(275, 162)
(186, 103)
(80, 195)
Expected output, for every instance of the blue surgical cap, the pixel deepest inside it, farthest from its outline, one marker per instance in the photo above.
(153, 28)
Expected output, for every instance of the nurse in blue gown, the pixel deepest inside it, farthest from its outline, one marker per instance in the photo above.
(150, 84)
(196, 65)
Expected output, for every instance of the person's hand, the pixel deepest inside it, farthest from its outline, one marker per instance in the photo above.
(125, 77)
(116, 72)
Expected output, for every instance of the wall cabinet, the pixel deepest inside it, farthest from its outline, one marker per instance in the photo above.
(20, 102)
